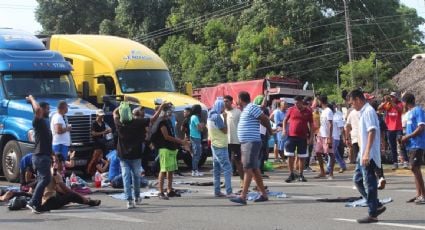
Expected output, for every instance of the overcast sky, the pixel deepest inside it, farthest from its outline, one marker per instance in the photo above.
(19, 14)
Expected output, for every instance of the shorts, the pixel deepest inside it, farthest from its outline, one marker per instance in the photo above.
(61, 149)
(296, 143)
(167, 160)
(235, 152)
(250, 152)
(415, 157)
(322, 146)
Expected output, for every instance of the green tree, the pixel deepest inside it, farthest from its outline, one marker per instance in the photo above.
(73, 16)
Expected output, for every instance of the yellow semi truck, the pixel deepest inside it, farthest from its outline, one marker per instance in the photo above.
(109, 65)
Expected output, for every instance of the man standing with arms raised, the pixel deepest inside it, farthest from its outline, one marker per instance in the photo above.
(41, 158)
(250, 139)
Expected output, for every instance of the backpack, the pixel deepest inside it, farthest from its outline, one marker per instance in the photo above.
(17, 203)
(125, 112)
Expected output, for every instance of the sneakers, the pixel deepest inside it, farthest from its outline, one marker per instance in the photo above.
(173, 193)
(130, 204)
(265, 176)
(342, 170)
(395, 166)
(367, 220)
(290, 178)
(162, 196)
(381, 183)
(420, 200)
(261, 199)
(301, 178)
(34, 209)
(238, 200)
(405, 165)
(309, 169)
(220, 195)
(94, 202)
(196, 173)
(138, 201)
(330, 177)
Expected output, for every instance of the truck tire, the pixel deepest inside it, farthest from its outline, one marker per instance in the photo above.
(10, 161)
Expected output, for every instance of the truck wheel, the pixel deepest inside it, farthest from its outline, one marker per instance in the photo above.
(10, 161)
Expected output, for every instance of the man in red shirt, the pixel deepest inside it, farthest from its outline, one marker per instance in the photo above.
(300, 119)
(393, 109)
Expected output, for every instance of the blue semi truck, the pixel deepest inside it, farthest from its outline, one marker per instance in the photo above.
(27, 67)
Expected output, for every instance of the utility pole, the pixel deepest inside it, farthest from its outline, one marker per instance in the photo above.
(349, 39)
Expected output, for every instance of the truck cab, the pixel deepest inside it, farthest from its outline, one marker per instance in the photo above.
(27, 67)
(115, 66)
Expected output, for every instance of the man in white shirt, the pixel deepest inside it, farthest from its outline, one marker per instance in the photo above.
(369, 157)
(61, 130)
(233, 115)
(324, 138)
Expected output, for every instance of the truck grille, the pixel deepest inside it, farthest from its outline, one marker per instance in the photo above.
(81, 128)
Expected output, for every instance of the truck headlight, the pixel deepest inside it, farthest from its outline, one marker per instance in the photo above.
(31, 136)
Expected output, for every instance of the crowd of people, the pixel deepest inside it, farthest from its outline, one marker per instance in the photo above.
(305, 131)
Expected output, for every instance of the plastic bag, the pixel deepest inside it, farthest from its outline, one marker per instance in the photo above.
(125, 112)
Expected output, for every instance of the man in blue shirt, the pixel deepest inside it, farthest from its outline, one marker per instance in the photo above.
(250, 138)
(415, 143)
(369, 157)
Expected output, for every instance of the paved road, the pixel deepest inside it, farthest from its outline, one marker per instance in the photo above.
(200, 210)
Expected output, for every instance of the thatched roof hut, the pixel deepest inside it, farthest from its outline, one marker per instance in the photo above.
(412, 79)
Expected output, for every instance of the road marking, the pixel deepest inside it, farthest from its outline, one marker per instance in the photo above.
(386, 224)
(94, 214)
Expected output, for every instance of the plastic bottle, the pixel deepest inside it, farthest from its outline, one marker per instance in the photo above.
(68, 182)
(97, 180)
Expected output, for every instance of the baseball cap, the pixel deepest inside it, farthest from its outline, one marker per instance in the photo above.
(368, 96)
(100, 112)
(393, 94)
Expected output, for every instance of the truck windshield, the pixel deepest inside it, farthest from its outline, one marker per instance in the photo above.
(20, 85)
(136, 81)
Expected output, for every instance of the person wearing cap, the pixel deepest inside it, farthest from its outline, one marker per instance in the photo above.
(394, 110)
(99, 131)
(61, 130)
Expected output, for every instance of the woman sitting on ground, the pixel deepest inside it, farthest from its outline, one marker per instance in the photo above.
(57, 194)
(97, 163)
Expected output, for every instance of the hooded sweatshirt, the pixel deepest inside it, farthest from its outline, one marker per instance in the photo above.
(215, 123)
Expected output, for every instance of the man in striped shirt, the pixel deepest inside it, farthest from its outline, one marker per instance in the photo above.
(249, 123)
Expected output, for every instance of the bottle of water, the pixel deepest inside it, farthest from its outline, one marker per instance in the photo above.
(73, 178)
(97, 180)
(68, 182)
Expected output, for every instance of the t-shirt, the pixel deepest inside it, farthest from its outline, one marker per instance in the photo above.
(42, 136)
(338, 124)
(393, 118)
(279, 116)
(194, 122)
(326, 116)
(26, 162)
(186, 126)
(233, 117)
(60, 139)
(298, 122)
(353, 119)
(316, 122)
(415, 118)
(131, 137)
(160, 141)
(98, 128)
(215, 123)
(114, 165)
(249, 124)
(369, 121)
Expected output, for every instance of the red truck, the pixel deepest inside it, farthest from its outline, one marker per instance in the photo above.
(278, 87)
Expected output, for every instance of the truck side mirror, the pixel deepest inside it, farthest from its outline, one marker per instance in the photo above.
(86, 90)
(101, 91)
(189, 88)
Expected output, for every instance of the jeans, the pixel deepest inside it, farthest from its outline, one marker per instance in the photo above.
(366, 182)
(264, 154)
(222, 163)
(196, 151)
(338, 156)
(307, 160)
(41, 164)
(392, 140)
(60, 200)
(131, 173)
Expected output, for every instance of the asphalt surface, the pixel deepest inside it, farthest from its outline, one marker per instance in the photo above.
(201, 210)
